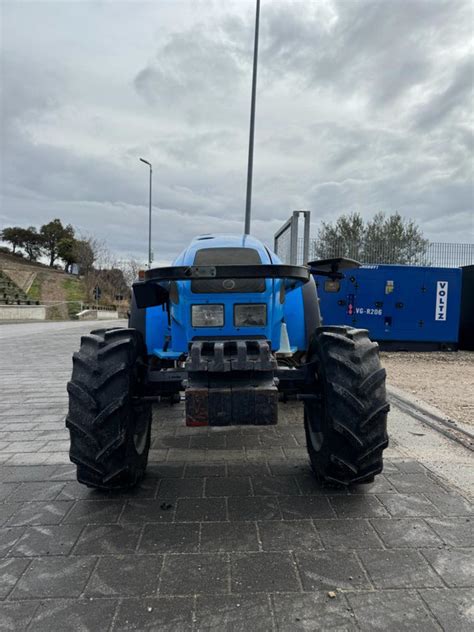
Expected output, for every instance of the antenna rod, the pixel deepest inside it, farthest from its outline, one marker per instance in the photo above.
(248, 204)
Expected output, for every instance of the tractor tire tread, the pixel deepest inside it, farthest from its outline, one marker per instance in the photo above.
(103, 413)
(352, 417)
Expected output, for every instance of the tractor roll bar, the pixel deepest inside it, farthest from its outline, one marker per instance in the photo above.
(152, 290)
(183, 273)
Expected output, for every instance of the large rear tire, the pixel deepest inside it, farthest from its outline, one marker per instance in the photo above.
(346, 415)
(109, 423)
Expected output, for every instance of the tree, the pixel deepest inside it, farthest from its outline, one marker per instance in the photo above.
(344, 238)
(31, 242)
(112, 284)
(13, 236)
(84, 255)
(394, 239)
(92, 253)
(67, 252)
(51, 234)
(384, 239)
(130, 269)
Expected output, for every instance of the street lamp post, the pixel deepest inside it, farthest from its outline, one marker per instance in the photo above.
(149, 214)
(248, 203)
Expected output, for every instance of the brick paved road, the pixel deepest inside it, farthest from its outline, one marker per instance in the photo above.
(228, 532)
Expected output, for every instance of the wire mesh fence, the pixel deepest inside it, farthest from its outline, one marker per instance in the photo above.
(283, 246)
(431, 254)
(292, 236)
(290, 247)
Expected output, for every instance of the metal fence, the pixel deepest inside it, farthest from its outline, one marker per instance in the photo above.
(288, 245)
(293, 248)
(282, 243)
(431, 254)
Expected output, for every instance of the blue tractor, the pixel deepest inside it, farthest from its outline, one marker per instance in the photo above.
(234, 328)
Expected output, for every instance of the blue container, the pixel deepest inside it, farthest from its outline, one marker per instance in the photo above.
(401, 306)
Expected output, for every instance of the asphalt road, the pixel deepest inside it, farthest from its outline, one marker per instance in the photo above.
(229, 531)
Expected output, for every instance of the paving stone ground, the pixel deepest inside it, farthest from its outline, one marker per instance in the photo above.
(229, 530)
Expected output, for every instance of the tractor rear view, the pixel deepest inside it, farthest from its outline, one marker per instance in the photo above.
(232, 327)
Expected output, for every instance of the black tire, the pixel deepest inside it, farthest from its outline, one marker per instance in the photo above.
(109, 424)
(346, 415)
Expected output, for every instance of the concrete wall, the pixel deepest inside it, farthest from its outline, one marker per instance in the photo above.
(106, 315)
(93, 314)
(22, 312)
(40, 312)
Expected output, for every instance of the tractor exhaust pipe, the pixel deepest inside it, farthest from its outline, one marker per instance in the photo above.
(248, 204)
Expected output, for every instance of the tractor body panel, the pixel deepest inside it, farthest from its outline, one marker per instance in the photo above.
(172, 339)
(158, 332)
(224, 331)
(295, 318)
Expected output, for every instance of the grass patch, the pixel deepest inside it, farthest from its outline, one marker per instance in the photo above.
(73, 309)
(34, 293)
(74, 289)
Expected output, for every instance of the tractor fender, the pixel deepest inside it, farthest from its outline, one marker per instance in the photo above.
(137, 317)
(312, 313)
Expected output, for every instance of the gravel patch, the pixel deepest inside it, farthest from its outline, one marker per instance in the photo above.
(442, 379)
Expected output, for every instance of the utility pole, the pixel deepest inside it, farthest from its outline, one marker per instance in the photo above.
(150, 256)
(248, 204)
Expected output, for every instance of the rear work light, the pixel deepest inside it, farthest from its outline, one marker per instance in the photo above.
(207, 315)
(250, 315)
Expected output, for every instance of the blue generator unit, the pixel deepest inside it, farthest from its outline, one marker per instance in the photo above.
(403, 307)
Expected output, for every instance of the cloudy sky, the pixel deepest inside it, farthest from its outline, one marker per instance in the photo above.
(362, 106)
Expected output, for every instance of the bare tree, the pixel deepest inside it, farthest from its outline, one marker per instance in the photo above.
(90, 254)
(130, 268)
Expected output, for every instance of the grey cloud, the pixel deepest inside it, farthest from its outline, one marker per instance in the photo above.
(456, 96)
(361, 106)
(25, 93)
(378, 48)
(197, 70)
